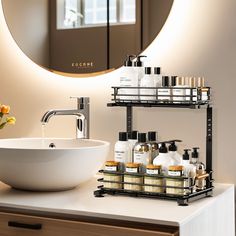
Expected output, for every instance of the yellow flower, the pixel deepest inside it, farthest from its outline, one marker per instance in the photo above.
(5, 109)
(11, 120)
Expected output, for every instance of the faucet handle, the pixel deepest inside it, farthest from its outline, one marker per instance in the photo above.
(81, 101)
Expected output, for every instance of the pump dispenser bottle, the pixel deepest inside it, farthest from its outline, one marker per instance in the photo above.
(142, 154)
(189, 169)
(152, 141)
(139, 67)
(195, 156)
(163, 159)
(128, 78)
(148, 82)
(177, 158)
(122, 150)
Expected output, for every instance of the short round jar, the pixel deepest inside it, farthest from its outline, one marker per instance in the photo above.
(132, 182)
(152, 177)
(180, 183)
(112, 179)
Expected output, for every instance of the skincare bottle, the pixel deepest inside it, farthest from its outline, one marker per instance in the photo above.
(178, 90)
(142, 154)
(163, 159)
(195, 156)
(152, 141)
(189, 169)
(157, 77)
(203, 90)
(132, 139)
(176, 157)
(128, 78)
(147, 90)
(164, 90)
(122, 150)
(139, 68)
(193, 90)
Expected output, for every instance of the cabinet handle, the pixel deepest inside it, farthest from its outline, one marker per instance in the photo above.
(25, 226)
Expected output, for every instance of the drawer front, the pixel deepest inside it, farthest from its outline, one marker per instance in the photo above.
(22, 225)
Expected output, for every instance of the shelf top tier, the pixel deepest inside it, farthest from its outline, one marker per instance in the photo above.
(192, 98)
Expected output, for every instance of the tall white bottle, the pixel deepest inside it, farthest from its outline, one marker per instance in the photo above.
(157, 77)
(147, 90)
(139, 67)
(178, 90)
(132, 139)
(128, 78)
(163, 159)
(122, 150)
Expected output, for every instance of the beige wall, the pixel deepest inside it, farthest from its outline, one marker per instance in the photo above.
(198, 39)
(31, 15)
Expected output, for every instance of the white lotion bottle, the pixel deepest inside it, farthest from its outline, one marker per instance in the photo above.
(157, 77)
(122, 150)
(132, 139)
(128, 78)
(189, 169)
(163, 159)
(164, 90)
(147, 86)
(139, 68)
(176, 157)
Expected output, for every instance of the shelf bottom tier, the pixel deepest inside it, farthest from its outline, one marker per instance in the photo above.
(182, 200)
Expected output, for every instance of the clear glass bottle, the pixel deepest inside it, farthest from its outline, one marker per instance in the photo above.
(152, 141)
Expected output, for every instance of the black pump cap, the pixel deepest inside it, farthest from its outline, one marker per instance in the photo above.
(142, 137)
(138, 62)
(123, 136)
(157, 70)
(163, 148)
(172, 147)
(165, 81)
(195, 153)
(152, 136)
(128, 62)
(173, 80)
(186, 154)
(133, 135)
(148, 70)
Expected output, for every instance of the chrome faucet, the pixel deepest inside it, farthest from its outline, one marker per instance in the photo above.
(81, 114)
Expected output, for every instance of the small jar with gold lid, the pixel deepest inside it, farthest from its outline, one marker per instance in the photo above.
(133, 182)
(177, 181)
(110, 174)
(152, 177)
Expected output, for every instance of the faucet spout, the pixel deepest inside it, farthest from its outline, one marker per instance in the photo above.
(81, 114)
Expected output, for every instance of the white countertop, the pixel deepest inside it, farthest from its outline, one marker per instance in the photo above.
(81, 201)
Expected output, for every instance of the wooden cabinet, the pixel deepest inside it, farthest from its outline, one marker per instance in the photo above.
(27, 225)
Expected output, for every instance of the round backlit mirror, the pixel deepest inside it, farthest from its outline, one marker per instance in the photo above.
(84, 36)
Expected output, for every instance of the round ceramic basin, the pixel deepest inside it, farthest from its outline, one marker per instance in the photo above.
(50, 164)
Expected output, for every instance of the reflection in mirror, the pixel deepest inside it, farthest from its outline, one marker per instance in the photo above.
(84, 36)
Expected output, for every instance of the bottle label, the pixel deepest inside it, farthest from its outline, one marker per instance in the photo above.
(163, 92)
(142, 158)
(111, 168)
(131, 170)
(177, 93)
(153, 172)
(120, 156)
(175, 173)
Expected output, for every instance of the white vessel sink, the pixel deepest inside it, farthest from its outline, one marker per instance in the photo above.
(30, 164)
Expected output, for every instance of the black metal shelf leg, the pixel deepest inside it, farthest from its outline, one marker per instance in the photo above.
(129, 118)
(209, 146)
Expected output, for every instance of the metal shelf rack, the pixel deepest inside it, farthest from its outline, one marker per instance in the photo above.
(195, 101)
